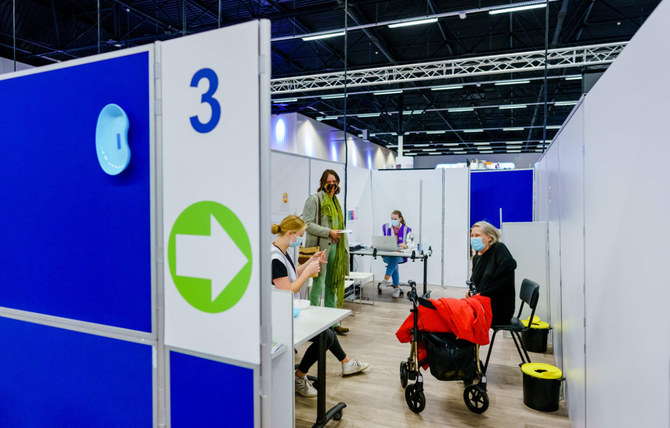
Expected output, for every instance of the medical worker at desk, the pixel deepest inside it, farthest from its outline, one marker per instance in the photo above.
(396, 227)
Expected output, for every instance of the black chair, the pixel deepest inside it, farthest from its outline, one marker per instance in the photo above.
(529, 294)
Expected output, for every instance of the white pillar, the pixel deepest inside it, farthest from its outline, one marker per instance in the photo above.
(400, 137)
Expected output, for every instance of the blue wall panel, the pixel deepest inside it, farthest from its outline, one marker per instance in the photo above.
(50, 377)
(76, 242)
(206, 393)
(510, 190)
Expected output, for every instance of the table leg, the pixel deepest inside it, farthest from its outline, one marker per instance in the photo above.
(322, 417)
(425, 274)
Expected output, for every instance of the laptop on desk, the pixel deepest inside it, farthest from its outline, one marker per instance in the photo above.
(385, 243)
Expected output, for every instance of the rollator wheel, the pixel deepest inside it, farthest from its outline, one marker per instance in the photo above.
(476, 399)
(379, 288)
(415, 398)
(337, 416)
(403, 373)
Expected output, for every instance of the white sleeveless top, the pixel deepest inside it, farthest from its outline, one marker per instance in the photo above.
(283, 258)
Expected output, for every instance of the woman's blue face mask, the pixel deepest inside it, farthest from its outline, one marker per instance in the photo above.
(477, 244)
(297, 242)
(395, 223)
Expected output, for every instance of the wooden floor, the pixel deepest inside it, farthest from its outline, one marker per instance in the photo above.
(376, 399)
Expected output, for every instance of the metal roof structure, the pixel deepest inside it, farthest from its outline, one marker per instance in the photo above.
(452, 77)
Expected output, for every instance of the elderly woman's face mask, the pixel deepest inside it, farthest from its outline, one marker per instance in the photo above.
(478, 239)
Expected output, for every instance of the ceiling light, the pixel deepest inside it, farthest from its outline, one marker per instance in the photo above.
(323, 36)
(470, 131)
(388, 92)
(565, 103)
(413, 22)
(518, 8)
(421, 145)
(574, 77)
(285, 100)
(481, 144)
(460, 109)
(429, 150)
(369, 115)
(512, 82)
(553, 126)
(435, 132)
(446, 87)
(450, 144)
(321, 118)
(520, 128)
(513, 151)
(408, 112)
(511, 106)
(514, 143)
(461, 152)
(373, 134)
(435, 153)
(332, 96)
(486, 151)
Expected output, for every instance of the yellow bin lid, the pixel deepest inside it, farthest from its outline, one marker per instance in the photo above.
(542, 325)
(542, 371)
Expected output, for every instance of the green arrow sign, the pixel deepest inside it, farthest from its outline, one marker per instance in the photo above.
(209, 255)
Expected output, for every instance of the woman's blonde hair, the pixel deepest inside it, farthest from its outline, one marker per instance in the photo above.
(489, 230)
(291, 223)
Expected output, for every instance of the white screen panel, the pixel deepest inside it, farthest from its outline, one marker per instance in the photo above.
(527, 241)
(571, 203)
(626, 207)
(289, 175)
(456, 227)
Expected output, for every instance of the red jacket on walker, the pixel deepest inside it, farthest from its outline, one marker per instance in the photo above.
(468, 319)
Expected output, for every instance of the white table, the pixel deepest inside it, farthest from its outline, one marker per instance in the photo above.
(311, 322)
(362, 278)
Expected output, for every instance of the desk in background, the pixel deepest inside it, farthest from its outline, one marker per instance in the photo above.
(412, 254)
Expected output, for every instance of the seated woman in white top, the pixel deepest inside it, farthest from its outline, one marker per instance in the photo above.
(286, 276)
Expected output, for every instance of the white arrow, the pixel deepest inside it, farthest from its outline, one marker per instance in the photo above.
(215, 257)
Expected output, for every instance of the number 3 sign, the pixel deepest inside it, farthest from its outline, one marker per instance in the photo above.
(208, 98)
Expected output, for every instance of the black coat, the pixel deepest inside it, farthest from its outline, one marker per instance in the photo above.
(493, 275)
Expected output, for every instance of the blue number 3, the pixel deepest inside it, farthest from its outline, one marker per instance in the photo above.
(207, 97)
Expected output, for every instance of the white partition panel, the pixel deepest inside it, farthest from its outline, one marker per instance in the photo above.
(399, 190)
(626, 206)
(571, 203)
(290, 184)
(527, 241)
(456, 227)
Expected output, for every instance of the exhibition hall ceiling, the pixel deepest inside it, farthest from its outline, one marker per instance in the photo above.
(469, 78)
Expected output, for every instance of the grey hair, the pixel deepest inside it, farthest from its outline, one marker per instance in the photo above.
(489, 230)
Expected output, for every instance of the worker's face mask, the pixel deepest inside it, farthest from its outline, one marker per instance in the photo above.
(332, 188)
(297, 242)
(395, 223)
(477, 244)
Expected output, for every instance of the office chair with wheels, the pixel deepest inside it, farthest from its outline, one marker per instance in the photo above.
(529, 294)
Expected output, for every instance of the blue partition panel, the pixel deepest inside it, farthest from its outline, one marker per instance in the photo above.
(76, 242)
(206, 393)
(50, 377)
(510, 190)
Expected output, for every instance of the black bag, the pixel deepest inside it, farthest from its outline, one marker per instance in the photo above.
(450, 358)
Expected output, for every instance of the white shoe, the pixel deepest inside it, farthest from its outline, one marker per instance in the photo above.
(396, 292)
(304, 387)
(353, 366)
(385, 283)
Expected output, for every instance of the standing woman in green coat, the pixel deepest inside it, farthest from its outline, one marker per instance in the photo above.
(325, 221)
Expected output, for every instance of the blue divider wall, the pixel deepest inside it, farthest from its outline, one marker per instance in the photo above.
(76, 242)
(200, 389)
(510, 190)
(52, 377)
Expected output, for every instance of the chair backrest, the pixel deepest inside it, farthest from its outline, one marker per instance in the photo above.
(529, 294)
